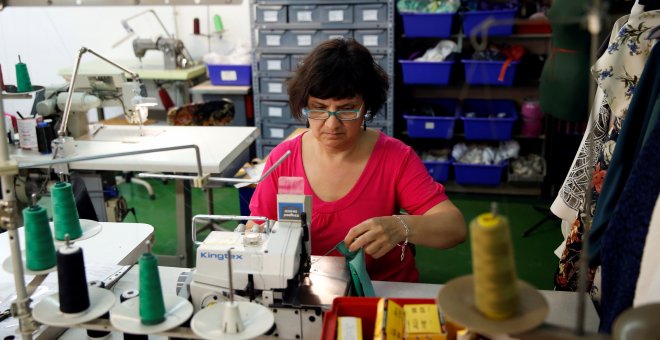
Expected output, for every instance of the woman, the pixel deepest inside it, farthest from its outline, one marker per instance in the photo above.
(359, 178)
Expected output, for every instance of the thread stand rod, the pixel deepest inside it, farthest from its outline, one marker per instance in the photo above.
(20, 308)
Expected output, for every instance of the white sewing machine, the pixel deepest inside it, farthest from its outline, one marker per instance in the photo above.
(271, 268)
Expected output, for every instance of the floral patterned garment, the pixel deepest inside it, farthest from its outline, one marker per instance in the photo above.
(616, 73)
(618, 70)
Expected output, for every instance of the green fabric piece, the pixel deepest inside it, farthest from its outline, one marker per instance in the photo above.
(358, 268)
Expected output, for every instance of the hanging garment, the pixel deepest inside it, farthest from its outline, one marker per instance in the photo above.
(648, 283)
(564, 83)
(617, 70)
(571, 195)
(630, 192)
(631, 139)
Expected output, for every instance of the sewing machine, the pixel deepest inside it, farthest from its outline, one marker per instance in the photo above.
(271, 268)
(175, 55)
(174, 52)
(102, 90)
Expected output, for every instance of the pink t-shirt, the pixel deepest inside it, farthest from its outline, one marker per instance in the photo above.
(393, 178)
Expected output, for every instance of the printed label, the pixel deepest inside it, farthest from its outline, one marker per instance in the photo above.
(275, 112)
(273, 40)
(277, 133)
(304, 40)
(274, 88)
(270, 16)
(429, 125)
(274, 65)
(228, 75)
(370, 15)
(304, 16)
(336, 15)
(370, 40)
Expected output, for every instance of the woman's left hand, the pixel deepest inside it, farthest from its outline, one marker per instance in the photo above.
(376, 236)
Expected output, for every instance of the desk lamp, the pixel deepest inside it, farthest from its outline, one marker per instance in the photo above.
(133, 93)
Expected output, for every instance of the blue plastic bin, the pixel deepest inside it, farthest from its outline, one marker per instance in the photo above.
(438, 170)
(502, 26)
(485, 72)
(427, 24)
(485, 125)
(238, 75)
(434, 126)
(426, 72)
(476, 174)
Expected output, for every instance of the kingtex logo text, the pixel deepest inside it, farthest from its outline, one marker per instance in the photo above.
(219, 257)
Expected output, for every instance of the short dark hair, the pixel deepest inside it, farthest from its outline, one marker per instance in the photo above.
(338, 68)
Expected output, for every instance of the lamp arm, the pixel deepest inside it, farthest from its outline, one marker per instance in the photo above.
(130, 30)
(72, 84)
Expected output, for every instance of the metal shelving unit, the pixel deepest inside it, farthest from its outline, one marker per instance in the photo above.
(277, 37)
(459, 89)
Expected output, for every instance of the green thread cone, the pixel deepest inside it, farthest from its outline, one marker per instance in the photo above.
(23, 78)
(217, 21)
(65, 214)
(40, 249)
(152, 306)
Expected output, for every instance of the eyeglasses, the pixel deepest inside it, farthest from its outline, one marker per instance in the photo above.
(343, 115)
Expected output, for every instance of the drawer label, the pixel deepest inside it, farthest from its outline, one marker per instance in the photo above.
(275, 112)
(370, 15)
(274, 65)
(273, 40)
(429, 125)
(304, 40)
(370, 40)
(277, 133)
(304, 16)
(336, 15)
(274, 88)
(270, 16)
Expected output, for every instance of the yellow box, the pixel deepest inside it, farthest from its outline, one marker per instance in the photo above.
(389, 320)
(349, 328)
(422, 322)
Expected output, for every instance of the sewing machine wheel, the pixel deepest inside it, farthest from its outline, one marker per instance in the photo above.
(213, 299)
(256, 319)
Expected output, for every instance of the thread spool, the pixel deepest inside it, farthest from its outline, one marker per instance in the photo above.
(196, 26)
(45, 136)
(40, 250)
(71, 279)
(22, 77)
(152, 306)
(65, 214)
(217, 22)
(495, 281)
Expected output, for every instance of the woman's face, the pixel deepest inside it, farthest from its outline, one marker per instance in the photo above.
(333, 132)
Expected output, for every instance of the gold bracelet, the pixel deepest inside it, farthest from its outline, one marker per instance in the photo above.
(407, 231)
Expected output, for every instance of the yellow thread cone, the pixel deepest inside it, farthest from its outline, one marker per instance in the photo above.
(495, 281)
